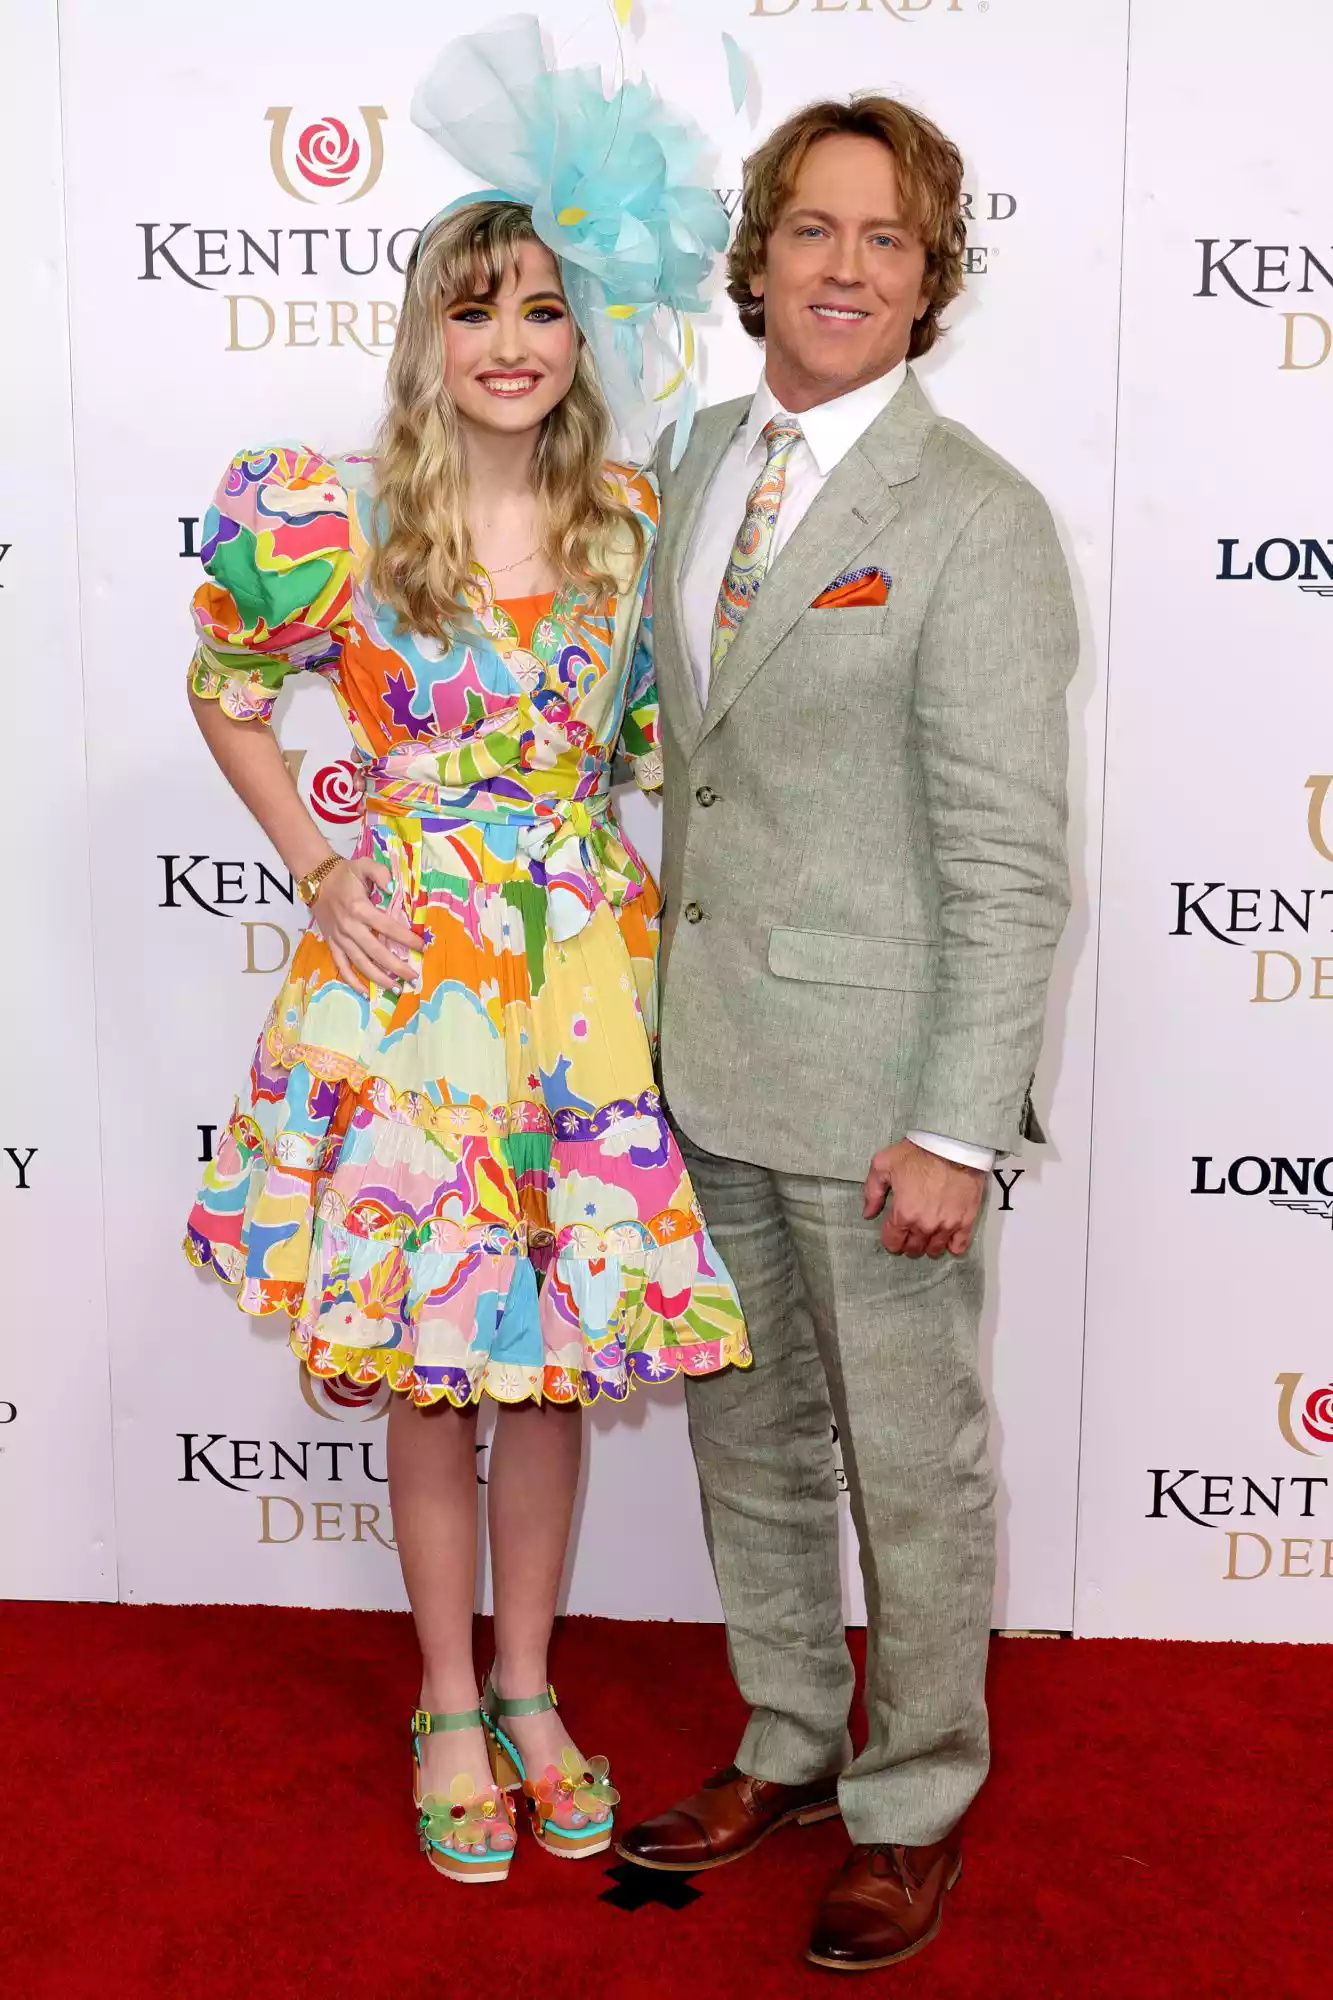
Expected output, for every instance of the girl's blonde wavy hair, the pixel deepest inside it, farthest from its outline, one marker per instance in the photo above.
(420, 561)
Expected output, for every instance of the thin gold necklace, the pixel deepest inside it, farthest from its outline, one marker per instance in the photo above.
(502, 569)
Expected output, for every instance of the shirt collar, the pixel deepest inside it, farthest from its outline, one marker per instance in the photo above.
(829, 429)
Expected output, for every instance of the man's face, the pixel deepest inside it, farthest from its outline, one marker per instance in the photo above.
(842, 275)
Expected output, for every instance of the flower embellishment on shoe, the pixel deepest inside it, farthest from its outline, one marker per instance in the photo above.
(576, 1793)
(469, 1820)
(571, 1806)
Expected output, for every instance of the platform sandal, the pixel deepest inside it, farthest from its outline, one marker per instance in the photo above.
(571, 1809)
(456, 1833)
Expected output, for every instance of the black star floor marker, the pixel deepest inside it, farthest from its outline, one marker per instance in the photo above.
(637, 1888)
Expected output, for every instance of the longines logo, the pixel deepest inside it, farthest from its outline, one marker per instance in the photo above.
(1303, 1183)
(324, 162)
(1307, 563)
(20, 1159)
(5, 547)
(1231, 916)
(1269, 276)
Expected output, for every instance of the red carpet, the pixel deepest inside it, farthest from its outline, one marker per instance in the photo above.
(217, 1802)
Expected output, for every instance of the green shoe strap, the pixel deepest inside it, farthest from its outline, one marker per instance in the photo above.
(532, 1704)
(426, 1724)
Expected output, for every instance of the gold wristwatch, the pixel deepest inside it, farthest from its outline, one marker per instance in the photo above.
(308, 886)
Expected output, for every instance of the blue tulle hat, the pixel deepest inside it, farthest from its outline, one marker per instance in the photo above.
(617, 193)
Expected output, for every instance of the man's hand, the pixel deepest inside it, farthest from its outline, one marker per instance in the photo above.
(934, 1205)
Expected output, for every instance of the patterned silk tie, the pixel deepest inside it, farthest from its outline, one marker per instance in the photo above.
(752, 550)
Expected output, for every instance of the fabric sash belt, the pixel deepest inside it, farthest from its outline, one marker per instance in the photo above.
(572, 846)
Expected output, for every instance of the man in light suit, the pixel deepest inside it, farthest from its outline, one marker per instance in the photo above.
(864, 634)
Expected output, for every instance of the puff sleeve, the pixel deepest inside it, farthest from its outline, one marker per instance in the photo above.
(276, 546)
(639, 740)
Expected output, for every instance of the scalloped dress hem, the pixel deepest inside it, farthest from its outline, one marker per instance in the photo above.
(503, 1381)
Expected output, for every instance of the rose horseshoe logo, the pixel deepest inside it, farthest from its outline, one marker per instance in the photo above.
(344, 1401)
(1311, 1419)
(326, 156)
(1318, 787)
(337, 793)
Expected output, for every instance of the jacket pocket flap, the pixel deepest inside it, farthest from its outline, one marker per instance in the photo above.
(838, 958)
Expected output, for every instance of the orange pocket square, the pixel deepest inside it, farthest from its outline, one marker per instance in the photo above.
(856, 586)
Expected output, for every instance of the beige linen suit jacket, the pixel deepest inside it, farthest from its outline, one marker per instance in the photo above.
(864, 846)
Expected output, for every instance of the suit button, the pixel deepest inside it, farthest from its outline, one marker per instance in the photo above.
(692, 914)
(706, 795)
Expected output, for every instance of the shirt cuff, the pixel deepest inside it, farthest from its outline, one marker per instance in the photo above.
(957, 1150)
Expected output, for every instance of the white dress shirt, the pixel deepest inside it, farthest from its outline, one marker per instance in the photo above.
(828, 432)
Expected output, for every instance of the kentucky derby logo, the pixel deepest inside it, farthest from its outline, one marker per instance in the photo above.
(897, 10)
(344, 1401)
(1302, 916)
(336, 793)
(1301, 1417)
(325, 161)
(1260, 274)
(1318, 787)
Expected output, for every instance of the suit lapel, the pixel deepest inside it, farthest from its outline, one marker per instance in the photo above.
(855, 504)
(713, 432)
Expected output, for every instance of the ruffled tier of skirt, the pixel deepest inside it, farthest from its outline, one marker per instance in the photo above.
(470, 1187)
(406, 1251)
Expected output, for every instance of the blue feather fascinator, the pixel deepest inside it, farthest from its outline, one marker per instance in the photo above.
(617, 193)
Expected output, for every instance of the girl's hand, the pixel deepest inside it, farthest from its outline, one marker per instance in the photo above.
(369, 946)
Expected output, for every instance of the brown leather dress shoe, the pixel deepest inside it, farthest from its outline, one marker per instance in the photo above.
(884, 1904)
(725, 1820)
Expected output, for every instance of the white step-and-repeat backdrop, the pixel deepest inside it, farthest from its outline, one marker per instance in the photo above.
(1207, 1480)
(57, 1518)
(205, 245)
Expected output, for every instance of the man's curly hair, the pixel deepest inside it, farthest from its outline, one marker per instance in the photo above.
(930, 181)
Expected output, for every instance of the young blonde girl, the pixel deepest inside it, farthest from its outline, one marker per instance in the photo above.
(450, 1166)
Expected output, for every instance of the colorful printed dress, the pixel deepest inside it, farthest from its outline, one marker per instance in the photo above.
(467, 1186)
